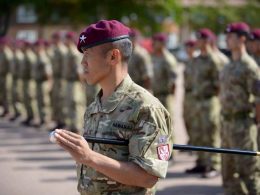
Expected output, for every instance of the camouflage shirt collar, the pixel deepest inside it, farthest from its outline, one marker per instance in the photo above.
(113, 101)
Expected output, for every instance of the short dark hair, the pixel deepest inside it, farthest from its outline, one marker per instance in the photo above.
(124, 46)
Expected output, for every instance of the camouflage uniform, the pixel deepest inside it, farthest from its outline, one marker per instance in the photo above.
(6, 57)
(257, 59)
(41, 71)
(57, 60)
(72, 71)
(131, 113)
(15, 93)
(140, 66)
(239, 82)
(189, 113)
(207, 107)
(164, 68)
(25, 75)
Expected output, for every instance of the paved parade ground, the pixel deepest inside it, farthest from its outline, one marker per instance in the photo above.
(30, 164)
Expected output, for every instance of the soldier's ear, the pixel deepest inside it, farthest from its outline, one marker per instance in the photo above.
(114, 56)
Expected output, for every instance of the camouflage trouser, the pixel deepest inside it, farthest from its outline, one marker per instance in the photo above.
(42, 99)
(189, 116)
(240, 173)
(57, 100)
(208, 126)
(3, 92)
(14, 95)
(27, 98)
(74, 104)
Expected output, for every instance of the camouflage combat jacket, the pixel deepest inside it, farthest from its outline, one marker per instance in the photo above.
(130, 113)
(140, 65)
(240, 86)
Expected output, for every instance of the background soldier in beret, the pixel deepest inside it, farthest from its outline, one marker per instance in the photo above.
(18, 58)
(255, 38)
(42, 75)
(189, 101)
(207, 108)
(6, 57)
(164, 68)
(58, 53)
(239, 93)
(25, 75)
(122, 110)
(140, 65)
(72, 73)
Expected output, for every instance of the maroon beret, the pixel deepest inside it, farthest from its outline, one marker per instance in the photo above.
(134, 33)
(70, 35)
(190, 43)
(255, 34)
(40, 42)
(3, 40)
(240, 28)
(205, 33)
(103, 31)
(162, 37)
(56, 35)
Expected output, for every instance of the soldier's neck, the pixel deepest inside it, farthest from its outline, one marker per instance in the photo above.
(237, 53)
(111, 83)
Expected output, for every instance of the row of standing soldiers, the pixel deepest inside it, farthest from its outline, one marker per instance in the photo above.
(221, 106)
(43, 82)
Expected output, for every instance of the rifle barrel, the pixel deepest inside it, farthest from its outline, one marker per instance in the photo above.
(177, 146)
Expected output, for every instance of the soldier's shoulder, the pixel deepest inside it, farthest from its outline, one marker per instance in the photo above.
(143, 97)
(249, 62)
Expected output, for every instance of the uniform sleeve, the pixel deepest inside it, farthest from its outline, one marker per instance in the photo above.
(78, 63)
(253, 81)
(171, 67)
(147, 64)
(150, 146)
(48, 66)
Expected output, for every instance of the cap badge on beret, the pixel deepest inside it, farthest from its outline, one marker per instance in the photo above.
(82, 38)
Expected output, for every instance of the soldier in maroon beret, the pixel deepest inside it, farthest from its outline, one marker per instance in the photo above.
(240, 79)
(140, 66)
(122, 110)
(6, 60)
(254, 36)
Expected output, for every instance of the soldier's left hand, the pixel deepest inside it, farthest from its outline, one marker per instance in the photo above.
(75, 144)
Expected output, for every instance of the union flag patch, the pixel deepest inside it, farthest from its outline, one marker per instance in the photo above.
(163, 152)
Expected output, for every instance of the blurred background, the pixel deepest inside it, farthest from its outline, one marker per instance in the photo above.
(29, 163)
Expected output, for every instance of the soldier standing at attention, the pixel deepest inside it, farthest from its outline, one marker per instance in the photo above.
(42, 72)
(58, 55)
(164, 68)
(189, 101)
(140, 66)
(239, 96)
(205, 90)
(18, 58)
(72, 75)
(255, 38)
(122, 110)
(25, 75)
(6, 57)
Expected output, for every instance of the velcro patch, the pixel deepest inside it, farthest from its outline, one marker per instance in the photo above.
(163, 152)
